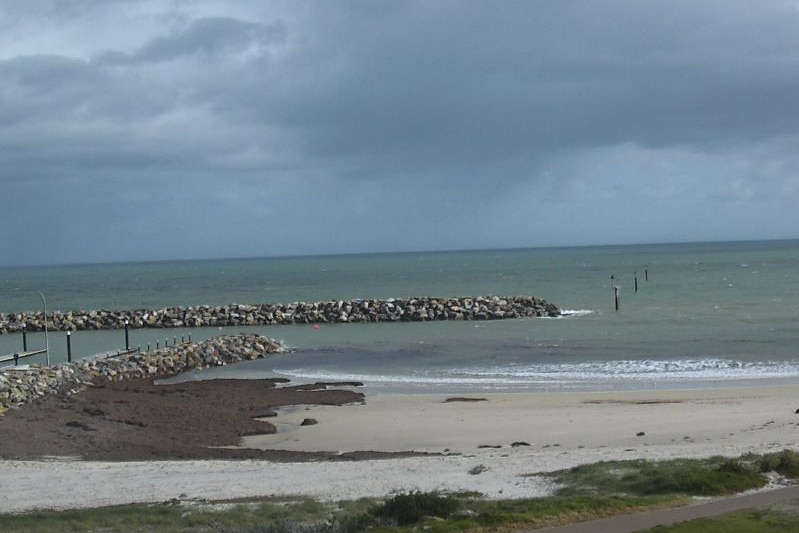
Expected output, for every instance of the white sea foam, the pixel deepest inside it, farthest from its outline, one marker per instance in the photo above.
(576, 312)
(532, 375)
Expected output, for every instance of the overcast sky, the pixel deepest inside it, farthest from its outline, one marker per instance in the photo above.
(155, 129)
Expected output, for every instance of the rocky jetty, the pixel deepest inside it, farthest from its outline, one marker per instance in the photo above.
(21, 386)
(336, 311)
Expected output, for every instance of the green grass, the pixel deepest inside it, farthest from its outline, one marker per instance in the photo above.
(752, 521)
(586, 492)
(397, 514)
(162, 518)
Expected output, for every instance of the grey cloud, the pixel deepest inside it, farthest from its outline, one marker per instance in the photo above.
(206, 37)
(43, 85)
(403, 89)
(492, 83)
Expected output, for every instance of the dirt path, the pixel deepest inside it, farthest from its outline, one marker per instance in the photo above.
(648, 520)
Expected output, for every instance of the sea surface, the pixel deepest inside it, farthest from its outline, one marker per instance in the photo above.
(704, 314)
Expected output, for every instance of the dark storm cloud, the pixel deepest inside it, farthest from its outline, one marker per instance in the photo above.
(302, 110)
(518, 77)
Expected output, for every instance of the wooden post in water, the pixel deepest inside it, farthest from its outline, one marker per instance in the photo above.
(616, 296)
(646, 273)
(127, 336)
(69, 346)
(636, 281)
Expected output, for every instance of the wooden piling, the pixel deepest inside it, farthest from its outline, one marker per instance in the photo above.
(69, 346)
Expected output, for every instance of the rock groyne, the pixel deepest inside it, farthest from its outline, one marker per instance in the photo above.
(22, 386)
(335, 311)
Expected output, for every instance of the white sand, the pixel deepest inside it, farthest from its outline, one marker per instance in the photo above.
(563, 430)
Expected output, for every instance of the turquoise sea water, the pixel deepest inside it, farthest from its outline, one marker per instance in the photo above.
(709, 313)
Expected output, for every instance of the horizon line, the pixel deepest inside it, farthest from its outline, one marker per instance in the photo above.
(396, 252)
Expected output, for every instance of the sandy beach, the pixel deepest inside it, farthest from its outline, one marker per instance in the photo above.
(504, 437)
(727, 421)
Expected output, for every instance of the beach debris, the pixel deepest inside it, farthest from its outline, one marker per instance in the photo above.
(309, 422)
(519, 443)
(640, 434)
(476, 470)
(79, 425)
(463, 399)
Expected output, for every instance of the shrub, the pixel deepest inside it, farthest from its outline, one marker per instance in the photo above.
(708, 477)
(728, 477)
(785, 463)
(407, 509)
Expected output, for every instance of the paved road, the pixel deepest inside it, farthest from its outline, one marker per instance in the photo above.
(648, 520)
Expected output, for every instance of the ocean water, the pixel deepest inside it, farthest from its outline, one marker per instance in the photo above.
(709, 314)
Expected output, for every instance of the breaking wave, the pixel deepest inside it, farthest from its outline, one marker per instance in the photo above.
(596, 372)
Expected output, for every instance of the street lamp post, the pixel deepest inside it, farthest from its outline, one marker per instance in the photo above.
(46, 332)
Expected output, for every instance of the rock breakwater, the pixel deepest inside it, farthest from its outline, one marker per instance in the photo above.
(22, 386)
(335, 311)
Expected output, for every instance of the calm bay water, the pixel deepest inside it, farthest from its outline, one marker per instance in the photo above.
(709, 313)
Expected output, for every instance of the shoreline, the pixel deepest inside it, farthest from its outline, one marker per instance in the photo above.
(561, 430)
(588, 386)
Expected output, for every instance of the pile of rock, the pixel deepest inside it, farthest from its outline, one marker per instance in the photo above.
(21, 386)
(389, 310)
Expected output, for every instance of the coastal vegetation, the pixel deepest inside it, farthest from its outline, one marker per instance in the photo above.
(716, 476)
(584, 493)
